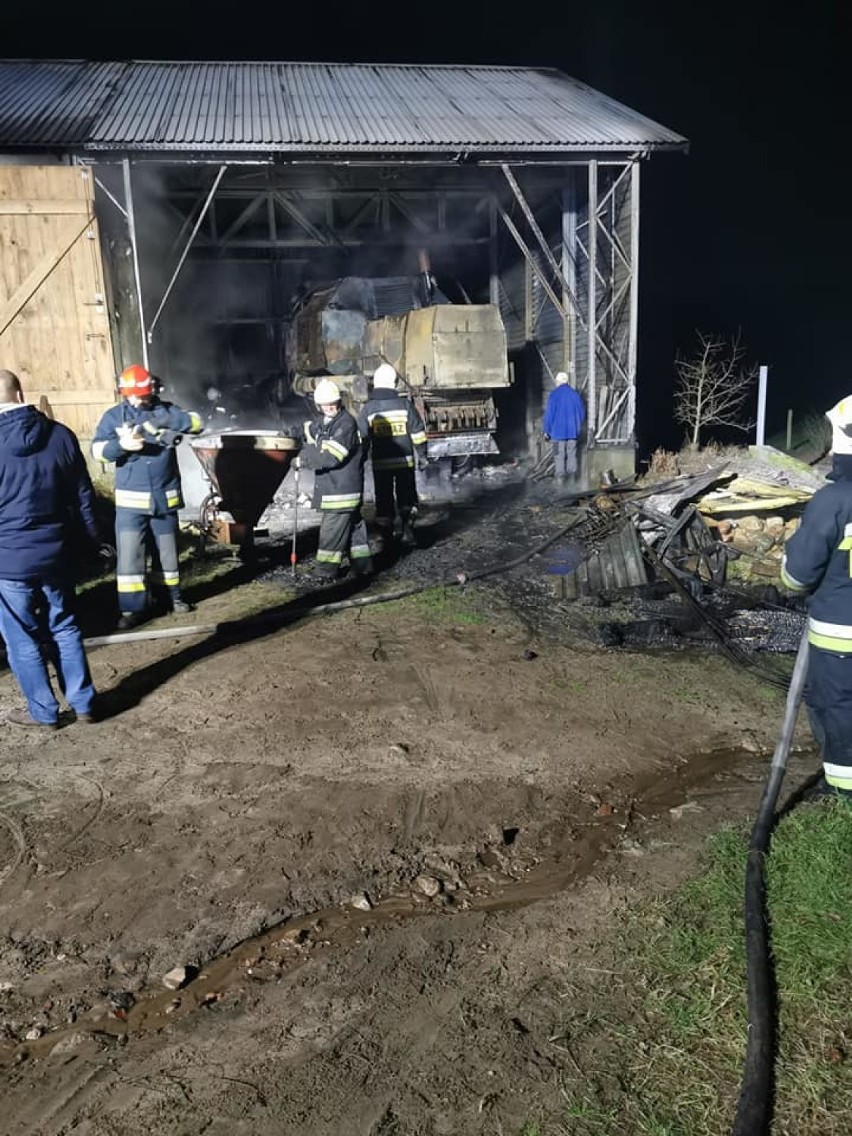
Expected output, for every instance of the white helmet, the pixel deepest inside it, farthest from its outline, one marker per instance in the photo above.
(326, 392)
(561, 378)
(840, 417)
(384, 376)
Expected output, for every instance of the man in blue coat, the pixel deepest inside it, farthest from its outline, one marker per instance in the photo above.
(139, 436)
(564, 417)
(46, 496)
(818, 562)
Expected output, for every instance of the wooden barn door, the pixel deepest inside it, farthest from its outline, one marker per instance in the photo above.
(54, 325)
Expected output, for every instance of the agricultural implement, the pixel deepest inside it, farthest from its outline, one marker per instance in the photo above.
(244, 469)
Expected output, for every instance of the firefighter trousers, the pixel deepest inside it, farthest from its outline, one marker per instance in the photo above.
(396, 490)
(828, 698)
(341, 533)
(136, 535)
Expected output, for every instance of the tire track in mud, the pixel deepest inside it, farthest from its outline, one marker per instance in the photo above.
(287, 946)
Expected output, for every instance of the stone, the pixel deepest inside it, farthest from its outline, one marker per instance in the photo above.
(428, 885)
(175, 978)
(361, 901)
(69, 1043)
(33, 1034)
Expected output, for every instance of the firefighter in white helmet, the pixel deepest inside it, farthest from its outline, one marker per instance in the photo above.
(332, 448)
(396, 436)
(818, 562)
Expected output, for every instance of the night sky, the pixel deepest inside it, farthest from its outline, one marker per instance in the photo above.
(750, 230)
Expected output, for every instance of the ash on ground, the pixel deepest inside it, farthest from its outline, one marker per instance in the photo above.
(492, 518)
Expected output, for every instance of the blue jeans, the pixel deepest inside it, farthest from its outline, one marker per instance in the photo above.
(27, 609)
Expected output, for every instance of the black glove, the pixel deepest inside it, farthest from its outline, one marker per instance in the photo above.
(546, 437)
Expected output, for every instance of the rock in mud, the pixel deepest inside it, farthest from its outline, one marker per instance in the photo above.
(71, 1042)
(176, 977)
(361, 901)
(428, 886)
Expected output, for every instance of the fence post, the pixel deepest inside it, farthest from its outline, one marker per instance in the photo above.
(761, 405)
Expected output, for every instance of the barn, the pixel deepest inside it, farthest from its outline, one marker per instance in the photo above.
(182, 214)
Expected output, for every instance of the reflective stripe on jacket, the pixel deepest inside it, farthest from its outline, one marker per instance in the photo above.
(392, 427)
(146, 480)
(818, 560)
(333, 450)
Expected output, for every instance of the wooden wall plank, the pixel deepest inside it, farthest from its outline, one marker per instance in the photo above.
(59, 341)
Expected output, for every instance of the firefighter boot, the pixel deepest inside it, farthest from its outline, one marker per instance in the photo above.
(406, 537)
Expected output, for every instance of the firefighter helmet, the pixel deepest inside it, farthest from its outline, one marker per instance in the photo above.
(384, 376)
(326, 392)
(135, 380)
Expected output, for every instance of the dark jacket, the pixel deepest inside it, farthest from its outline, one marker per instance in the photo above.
(818, 560)
(46, 496)
(146, 480)
(564, 414)
(392, 427)
(335, 453)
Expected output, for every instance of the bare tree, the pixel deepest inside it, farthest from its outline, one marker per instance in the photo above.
(713, 386)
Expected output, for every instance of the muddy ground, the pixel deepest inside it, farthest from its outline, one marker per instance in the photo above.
(378, 840)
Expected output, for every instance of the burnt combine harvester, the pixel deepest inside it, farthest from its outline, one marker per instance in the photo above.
(450, 357)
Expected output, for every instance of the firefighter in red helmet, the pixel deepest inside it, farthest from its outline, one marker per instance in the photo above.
(139, 436)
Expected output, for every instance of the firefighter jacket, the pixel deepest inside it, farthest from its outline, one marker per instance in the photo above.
(146, 480)
(818, 560)
(392, 428)
(334, 451)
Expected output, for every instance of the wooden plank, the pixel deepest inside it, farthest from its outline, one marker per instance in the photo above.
(751, 505)
(77, 397)
(41, 271)
(54, 206)
(60, 340)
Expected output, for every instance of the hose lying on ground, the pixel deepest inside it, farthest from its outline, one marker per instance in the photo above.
(295, 612)
(754, 1108)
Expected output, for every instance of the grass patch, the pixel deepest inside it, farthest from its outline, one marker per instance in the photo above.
(662, 1054)
(446, 605)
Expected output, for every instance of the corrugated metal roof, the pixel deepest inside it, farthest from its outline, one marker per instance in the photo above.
(311, 108)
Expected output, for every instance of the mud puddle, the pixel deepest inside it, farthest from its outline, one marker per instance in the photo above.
(575, 847)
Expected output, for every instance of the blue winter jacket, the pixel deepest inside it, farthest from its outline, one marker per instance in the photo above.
(46, 496)
(564, 414)
(147, 480)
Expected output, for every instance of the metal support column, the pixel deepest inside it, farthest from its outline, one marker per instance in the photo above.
(569, 272)
(131, 229)
(591, 317)
(633, 344)
(493, 258)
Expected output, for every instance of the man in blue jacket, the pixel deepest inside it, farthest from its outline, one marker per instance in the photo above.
(139, 436)
(564, 416)
(818, 562)
(45, 497)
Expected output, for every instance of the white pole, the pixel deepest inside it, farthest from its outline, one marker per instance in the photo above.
(131, 229)
(761, 404)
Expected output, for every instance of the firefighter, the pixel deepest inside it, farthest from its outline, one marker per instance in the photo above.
(139, 435)
(396, 437)
(818, 561)
(333, 449)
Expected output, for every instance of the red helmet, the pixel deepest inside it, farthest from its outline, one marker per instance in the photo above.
(135, 380)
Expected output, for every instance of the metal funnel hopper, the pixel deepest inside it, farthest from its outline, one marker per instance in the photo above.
(245, 469)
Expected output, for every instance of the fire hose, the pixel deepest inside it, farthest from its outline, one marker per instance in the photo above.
(754, 1108)
(295, 612)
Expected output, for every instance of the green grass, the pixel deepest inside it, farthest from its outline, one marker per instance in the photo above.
(447, 605)
(665, 1056)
